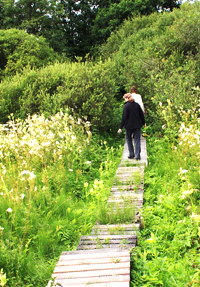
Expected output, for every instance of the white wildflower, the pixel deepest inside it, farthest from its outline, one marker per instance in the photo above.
(182, 171)
(9, 209)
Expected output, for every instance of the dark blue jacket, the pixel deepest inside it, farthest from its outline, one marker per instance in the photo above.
(132, 117)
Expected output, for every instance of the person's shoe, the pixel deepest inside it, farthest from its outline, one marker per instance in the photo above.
(131, 156)
(138, 159)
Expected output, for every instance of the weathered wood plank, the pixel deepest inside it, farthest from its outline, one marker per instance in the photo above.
(126, 187)
(115, 229)
(92, 273)
(116, 264)
(108, 243)
(125, 198)
(112, 284)
(90, 280)
(98, 254)
(103, 237)
(100, 246)
(105, 232)
(63, 262)
(120, 226)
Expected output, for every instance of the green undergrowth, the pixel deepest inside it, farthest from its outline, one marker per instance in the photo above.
(120, 212)
(117, 213)
(168, 251)
(54, 176)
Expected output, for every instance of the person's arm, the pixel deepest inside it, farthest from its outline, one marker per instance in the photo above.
(124, 118)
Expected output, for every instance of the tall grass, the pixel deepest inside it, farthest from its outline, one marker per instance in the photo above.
(53, 177)
(168, 251)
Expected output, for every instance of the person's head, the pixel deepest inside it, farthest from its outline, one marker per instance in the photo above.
(133, 89)
(128, 97)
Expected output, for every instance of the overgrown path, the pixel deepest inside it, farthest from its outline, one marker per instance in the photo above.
(103, 258)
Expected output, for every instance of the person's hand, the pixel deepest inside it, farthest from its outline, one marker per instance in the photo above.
(119, 131)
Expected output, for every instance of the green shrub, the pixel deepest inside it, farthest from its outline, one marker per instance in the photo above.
(160, 55)
(87, 88)
(18, 49)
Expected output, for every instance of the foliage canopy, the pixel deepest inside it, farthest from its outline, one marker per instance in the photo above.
(18, 49)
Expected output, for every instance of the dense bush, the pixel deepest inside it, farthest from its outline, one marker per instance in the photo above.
(160, 55)
(86, 88)
(18, 49)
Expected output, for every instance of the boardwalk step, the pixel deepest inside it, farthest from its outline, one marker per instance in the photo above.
(104, 267)
(107, 241)
(127, 193)
(123, 188)
(115, 229)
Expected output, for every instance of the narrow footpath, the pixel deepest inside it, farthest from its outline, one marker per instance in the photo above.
(103, 258)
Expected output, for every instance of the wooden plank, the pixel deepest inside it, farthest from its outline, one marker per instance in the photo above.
(105, 232)
(101, 237)
(126, 187)
(98, 254)
(120, 196)
(93, 267)
(109, 243)
(121, 201)
(100, 246)
(113, 284)
(90, 274)
(124, 193)
(63, 262)
(132, 169)
(90, 280)
(121, 226)
(115, 229)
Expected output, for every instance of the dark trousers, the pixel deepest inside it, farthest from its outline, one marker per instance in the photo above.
(137, 134)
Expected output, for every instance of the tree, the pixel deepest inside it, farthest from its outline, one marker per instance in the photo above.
(18, 49)
(110, 17)
(74, 27)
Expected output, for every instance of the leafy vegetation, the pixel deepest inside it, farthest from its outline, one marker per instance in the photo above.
(168, 253)
(73, 27)
(86, 88)
(18, 50)
(53, 178)
(160, 55)
(57, 160)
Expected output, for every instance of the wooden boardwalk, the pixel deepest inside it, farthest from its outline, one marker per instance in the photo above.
(103, 258)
